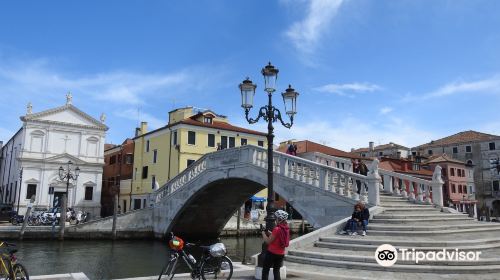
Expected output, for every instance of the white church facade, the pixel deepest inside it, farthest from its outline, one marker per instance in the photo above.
(47, 140)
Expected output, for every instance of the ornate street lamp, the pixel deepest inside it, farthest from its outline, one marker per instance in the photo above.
(270, 114)
(67, 175)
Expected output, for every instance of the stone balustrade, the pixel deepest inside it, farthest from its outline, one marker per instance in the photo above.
(317, 174)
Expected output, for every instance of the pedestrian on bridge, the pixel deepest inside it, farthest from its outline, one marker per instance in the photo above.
(277, 241)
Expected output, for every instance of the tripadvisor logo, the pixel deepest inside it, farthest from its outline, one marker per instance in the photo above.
(386, 255)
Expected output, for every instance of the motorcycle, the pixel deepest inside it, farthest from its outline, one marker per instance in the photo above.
(78, 217)
(17, 219)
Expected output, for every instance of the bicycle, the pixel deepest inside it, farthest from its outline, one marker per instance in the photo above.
(214, 263)
(10, 269)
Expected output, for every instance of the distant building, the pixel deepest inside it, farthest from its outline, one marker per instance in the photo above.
(404, 166)
(458, 189)
(321, 153)
(47, 140)
(386, 150)
(161, 154)
(117, 177)
(476, 149)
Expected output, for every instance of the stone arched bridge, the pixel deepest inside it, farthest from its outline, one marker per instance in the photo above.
(200, 200)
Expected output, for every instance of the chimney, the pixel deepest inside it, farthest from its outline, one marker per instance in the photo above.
(371, 148)
(141, 130)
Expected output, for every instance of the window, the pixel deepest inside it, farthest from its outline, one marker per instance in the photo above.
(429, 152)
(155, 156)
(260, 143)
(455, 150)
(211, 140)
(119, 158)
(89, 193)
(343, 166)
(453, 189)
(413, 153)
(468, 149)
(363, 155)
(452, 171)
(174, 138)
(496, 186)
(337, 164)
(243, 141)
(470, 189)
(137, 203)
(231, 142)
(459, 188)
(190, 161)
(129, 159)
(31, 191)
(153, 182)
(147, 146)
(191, 138)
(124, 206)
(492, 146)
(144, 172)
(112, 160)
(469, 162)
(223, 140)
(380, 154)
(207, 120)
(465, 189)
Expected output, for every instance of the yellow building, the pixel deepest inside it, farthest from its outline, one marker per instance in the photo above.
(163, 153)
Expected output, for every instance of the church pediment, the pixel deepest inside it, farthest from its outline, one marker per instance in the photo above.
(64, 158)
(67, 114)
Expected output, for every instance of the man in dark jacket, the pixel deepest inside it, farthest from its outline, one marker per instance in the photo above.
(365, 215)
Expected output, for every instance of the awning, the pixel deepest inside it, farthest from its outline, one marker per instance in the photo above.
(257, 199)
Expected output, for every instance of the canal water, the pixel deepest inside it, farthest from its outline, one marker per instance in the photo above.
(106, 259)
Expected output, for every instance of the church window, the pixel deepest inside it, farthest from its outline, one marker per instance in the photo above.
(89, 193)
(31, 191)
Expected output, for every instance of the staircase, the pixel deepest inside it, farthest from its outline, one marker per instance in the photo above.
(404, 224)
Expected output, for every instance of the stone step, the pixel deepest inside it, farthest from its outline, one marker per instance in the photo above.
(406, 205)
(412, 242)
(391, 215)
(371, 259)
(416, 209)
(444, 269)
(423, 220)
(305, 271)
(390, 227)
(410, 233)
(423, 247)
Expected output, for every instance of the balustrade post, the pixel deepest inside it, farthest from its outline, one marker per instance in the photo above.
(411, 197)
(420, 195)
(323, 180)
(437, 187)
(374, 180)
(354, 188)
(388, 184)
(404, 193)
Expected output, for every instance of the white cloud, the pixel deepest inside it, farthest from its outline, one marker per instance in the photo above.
(484, 86)
(120, 87)
(385, 110)
(348, 89)
(354, 133)
(139, 116)
(305, 34)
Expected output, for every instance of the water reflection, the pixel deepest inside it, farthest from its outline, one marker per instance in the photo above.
(104, 259)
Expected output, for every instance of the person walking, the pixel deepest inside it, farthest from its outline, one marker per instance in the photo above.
(277, 241)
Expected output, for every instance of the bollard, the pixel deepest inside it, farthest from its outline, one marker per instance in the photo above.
(113, 230)
(244, 247)
(238, 222)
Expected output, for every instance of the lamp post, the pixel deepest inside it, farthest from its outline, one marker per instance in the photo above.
(270, 114)
(67, 175)
(20, 187)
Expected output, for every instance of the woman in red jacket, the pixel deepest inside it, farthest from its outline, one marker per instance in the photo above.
(277, 241)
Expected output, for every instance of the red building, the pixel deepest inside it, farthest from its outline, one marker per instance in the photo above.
(458, 189)
(118, 167)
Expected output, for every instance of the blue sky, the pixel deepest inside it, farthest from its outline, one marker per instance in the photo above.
(400, 71)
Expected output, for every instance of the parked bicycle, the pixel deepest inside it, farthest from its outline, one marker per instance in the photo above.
(214, 264)
(10, 269)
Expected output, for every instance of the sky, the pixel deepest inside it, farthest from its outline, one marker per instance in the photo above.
(385, 71)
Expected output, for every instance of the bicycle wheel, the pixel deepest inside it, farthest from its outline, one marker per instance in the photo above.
(19, 272)
(169, 269)
(217, 268)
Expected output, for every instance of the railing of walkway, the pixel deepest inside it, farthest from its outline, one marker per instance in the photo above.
(344, 183)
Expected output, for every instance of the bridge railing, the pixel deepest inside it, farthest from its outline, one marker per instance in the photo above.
(329, 178)
(410, 187)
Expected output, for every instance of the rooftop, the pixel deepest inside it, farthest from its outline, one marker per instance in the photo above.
(468, 136)
(381, 147)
